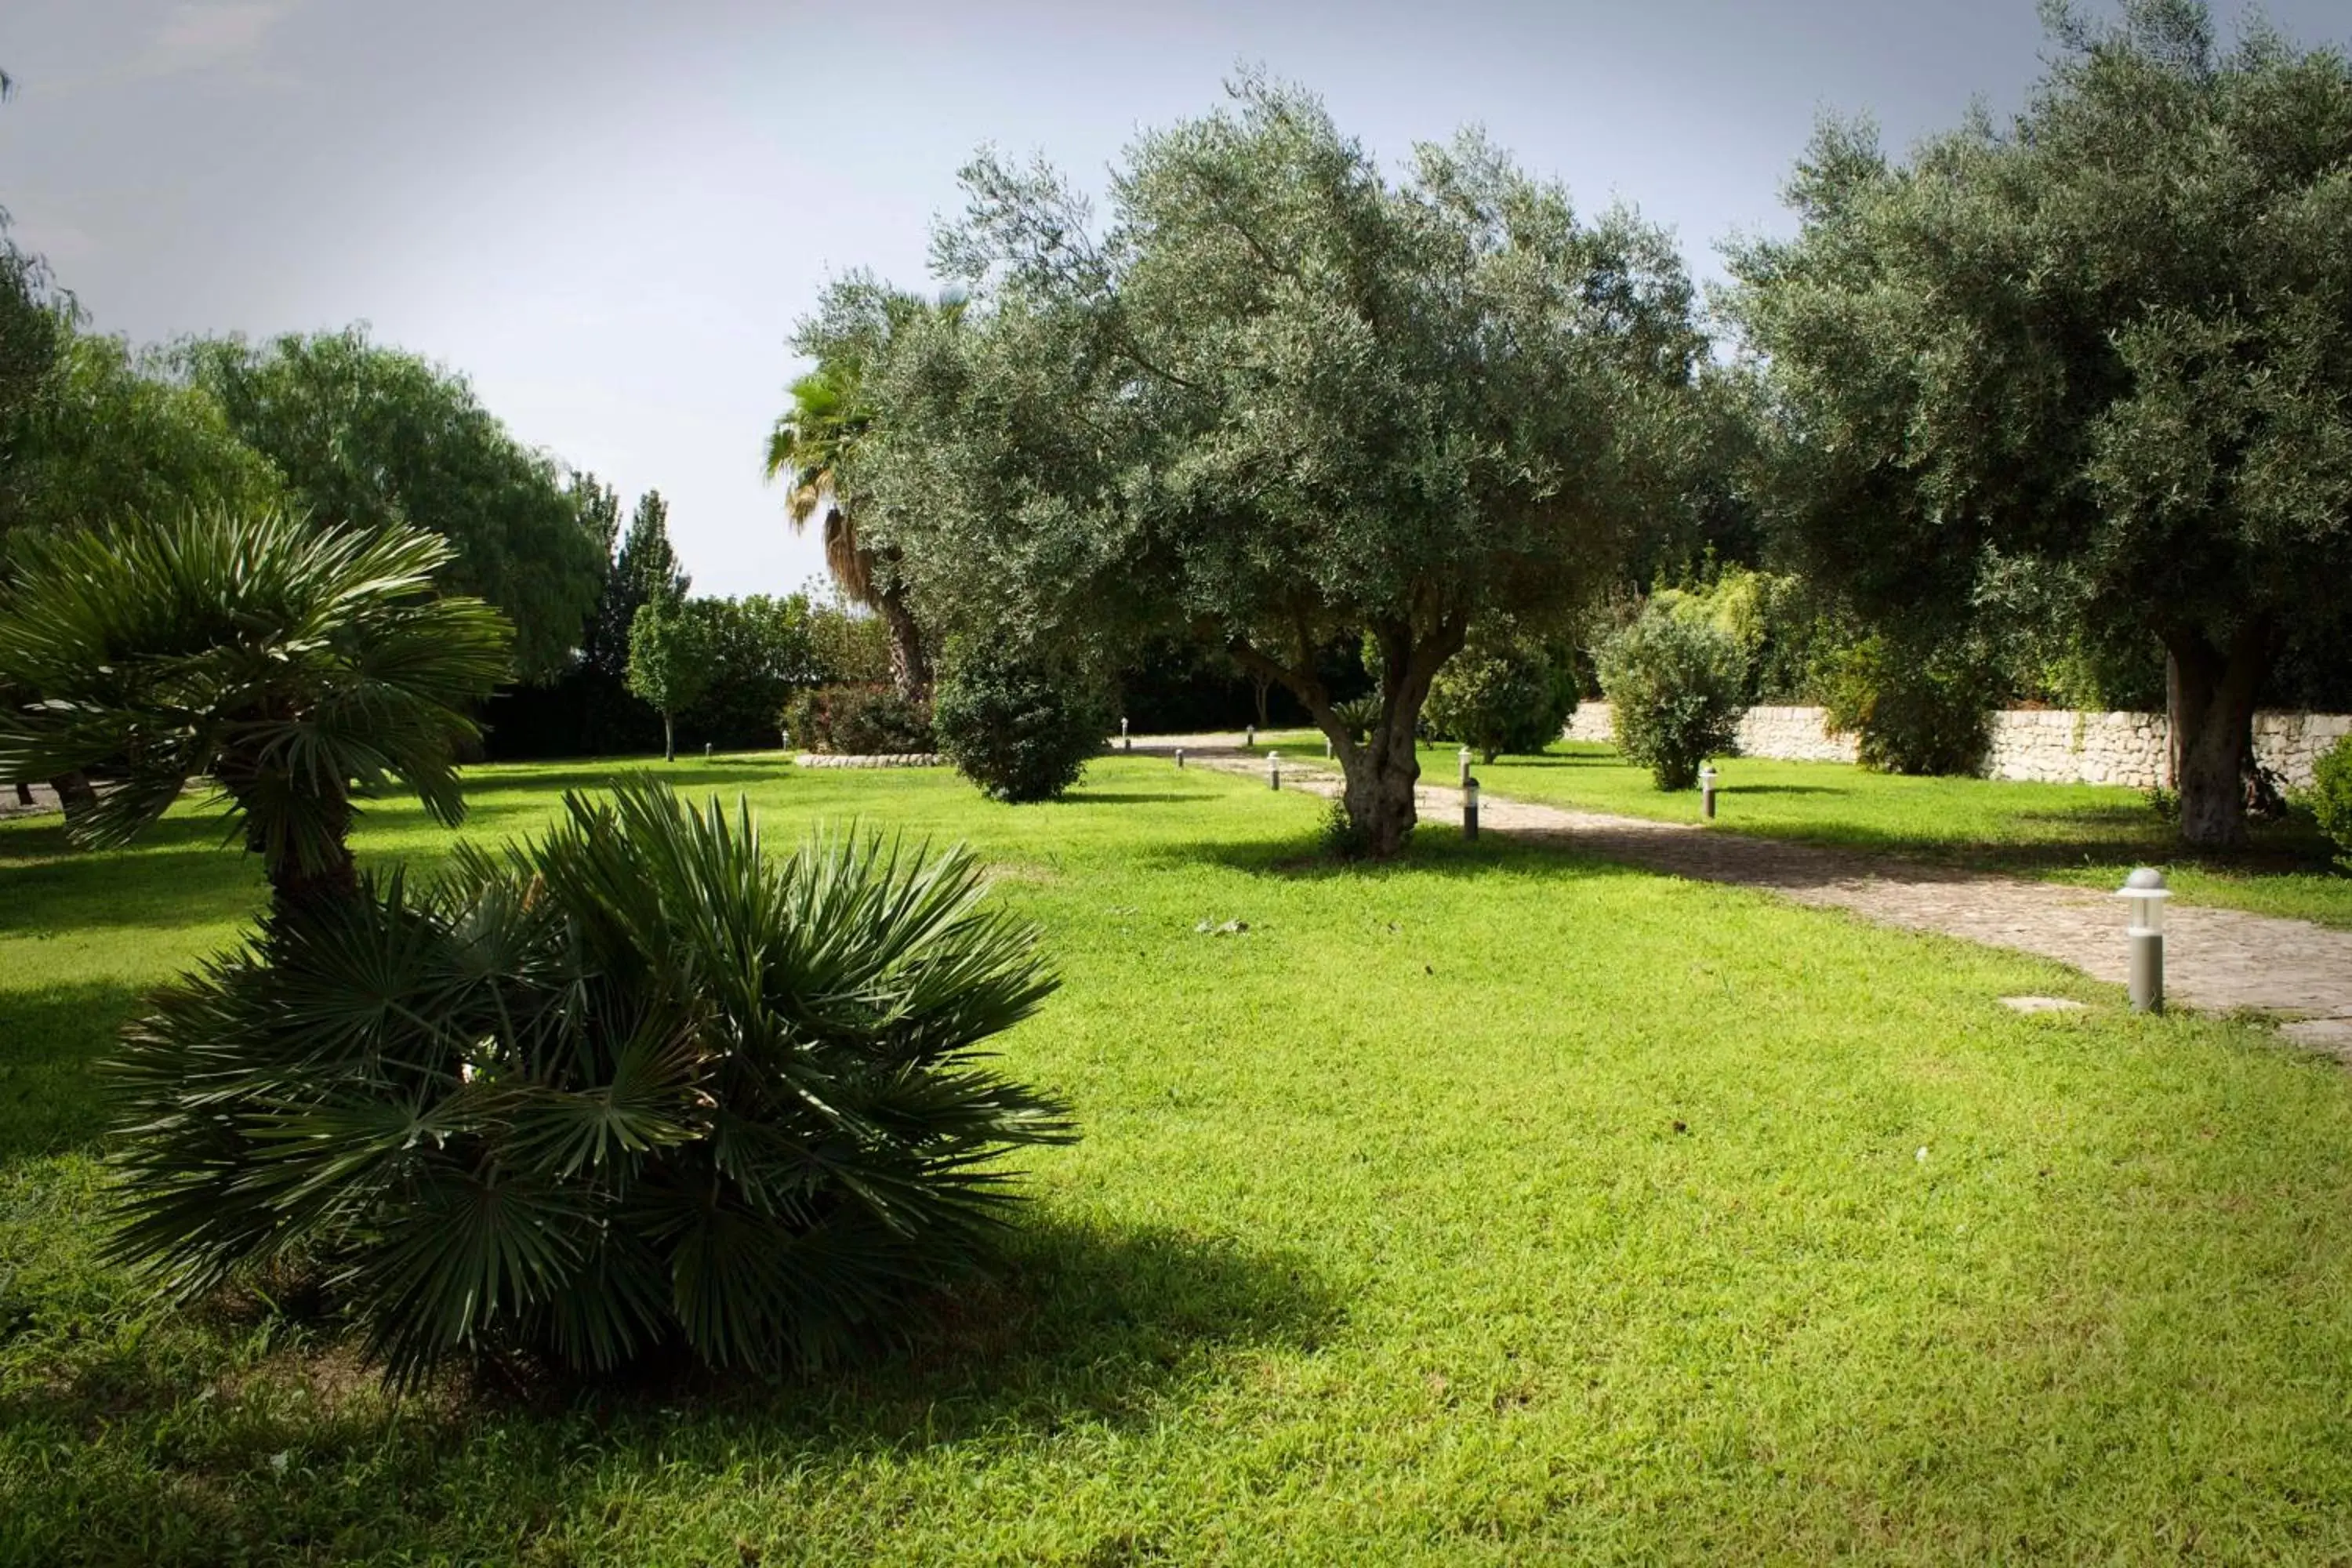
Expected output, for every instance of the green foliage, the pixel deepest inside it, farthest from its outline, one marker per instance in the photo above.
(105, 436)
(865, 721)
(1285, 398)
(1021, 726)
(280, 660)
(1911, 710)
(2107, 339)
(849, 646)
(2331, 796)
(371, 435)
(1674, 684)
(1502, 693)
(669, 661)
(627, 1086)
(757, 651)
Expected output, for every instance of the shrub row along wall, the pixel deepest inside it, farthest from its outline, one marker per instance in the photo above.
(2050, 745)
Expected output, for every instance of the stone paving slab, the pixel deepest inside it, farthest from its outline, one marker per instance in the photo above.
(2216, 960)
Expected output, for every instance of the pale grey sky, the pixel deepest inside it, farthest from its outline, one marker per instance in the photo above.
(608, 214)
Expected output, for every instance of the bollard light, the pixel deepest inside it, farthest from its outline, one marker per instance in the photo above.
(1706, 792)
(1249, 739)
(1274, 769)
(2144, 891)
(1126, 742)
(1469, 809)
(1179, 756)
(1327, 753)
(705, 750)
(1463, 757)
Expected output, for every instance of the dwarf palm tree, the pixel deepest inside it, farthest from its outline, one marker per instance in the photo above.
(287, 663)
(635, 1084)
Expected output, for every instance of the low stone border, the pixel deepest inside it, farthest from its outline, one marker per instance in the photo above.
(888, 759)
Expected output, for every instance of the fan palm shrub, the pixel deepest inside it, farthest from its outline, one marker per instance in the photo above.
(628, 1086)
(294, 666)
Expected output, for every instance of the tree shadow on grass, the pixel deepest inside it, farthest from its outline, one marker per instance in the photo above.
(179, 873)
(1434, 849)
(686, 775)
(1085, 1328)
(50, 1043)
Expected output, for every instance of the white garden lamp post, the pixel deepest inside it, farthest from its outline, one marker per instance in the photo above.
(1179, 756)
(1463, 757)
(1469, 806)
(1126, 742)
(2144, 890)
(1706, 792)
(1274, 769)
(1249, 739)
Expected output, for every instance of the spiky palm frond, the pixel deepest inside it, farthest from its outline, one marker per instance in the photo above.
(285, 661)
(631, 1083)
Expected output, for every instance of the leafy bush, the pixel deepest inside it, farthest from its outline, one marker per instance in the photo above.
(858, 721)
(1020, 727)
(1674, 684)
(628, 1087)
(1507, 695)
(1911, 710)
(2331, 798)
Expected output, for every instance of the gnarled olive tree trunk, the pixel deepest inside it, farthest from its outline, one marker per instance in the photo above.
(2211, 691)
(1381, 770)
(910, 667)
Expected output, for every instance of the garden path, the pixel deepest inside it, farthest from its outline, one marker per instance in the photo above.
(2216, 960)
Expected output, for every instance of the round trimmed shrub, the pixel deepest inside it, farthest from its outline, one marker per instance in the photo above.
(1911, 710)
(629, 1087)
(1675, 688)
(1510, 697)
(2331, 798)
(1019, 726)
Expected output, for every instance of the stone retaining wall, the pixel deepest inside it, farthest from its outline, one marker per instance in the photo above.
(884, 759)
(2050, 745)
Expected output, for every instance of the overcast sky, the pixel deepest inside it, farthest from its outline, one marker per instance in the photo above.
(608, 214)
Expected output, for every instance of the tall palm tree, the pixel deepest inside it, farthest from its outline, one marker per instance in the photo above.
(815, 441)
(289, 664)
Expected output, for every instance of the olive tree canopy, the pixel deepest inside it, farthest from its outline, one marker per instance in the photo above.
(1281, 398)
(2110, 343)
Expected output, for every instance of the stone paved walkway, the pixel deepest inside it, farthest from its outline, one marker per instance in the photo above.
(2216, 960)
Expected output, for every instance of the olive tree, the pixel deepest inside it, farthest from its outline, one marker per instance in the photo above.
(2107, 343)
(1282, 398)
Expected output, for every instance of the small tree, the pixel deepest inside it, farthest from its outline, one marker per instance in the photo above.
(1675, 686)
(280, 660)
(668, 662)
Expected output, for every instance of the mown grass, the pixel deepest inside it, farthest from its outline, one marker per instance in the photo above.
(2091, 835)
(1492, 1206)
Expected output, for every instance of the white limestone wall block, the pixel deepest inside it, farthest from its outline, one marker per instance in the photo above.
(2044, 745)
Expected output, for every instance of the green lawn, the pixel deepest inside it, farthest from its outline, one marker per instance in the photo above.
(1492, 1207)
(2087, 834)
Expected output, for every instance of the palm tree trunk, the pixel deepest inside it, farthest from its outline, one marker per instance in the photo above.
(76, 793)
